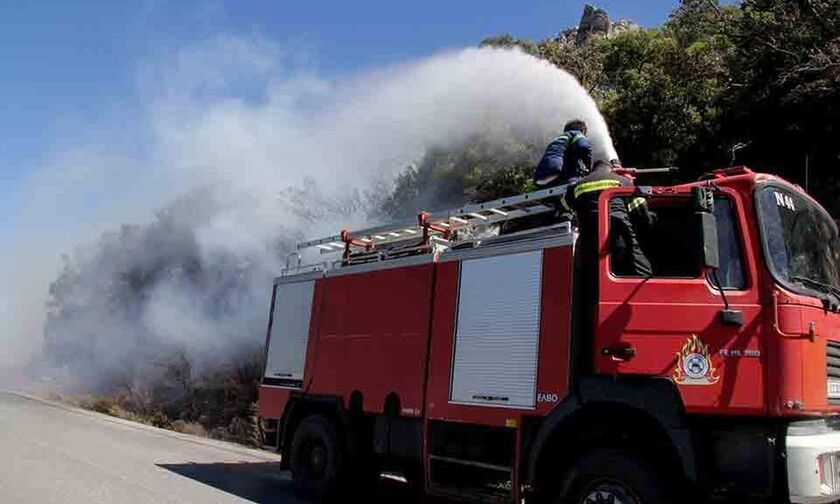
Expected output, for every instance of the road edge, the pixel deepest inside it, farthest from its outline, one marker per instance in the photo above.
(213, 443)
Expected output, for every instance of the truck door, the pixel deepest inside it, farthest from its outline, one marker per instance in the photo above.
(670, 324)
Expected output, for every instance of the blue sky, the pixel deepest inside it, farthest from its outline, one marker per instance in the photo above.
(64, 65)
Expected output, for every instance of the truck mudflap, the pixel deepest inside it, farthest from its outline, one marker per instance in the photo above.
(813, 461)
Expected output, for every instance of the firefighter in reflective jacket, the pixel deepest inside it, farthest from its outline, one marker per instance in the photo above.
(626, 214)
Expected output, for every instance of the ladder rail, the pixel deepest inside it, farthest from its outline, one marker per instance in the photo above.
(336, 239)
(539, 195)
(441, 222)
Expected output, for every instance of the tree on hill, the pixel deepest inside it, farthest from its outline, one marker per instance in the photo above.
(475, 170)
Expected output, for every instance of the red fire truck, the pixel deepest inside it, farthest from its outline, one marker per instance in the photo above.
(453, 355)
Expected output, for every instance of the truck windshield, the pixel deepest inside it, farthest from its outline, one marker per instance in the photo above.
(800, 241)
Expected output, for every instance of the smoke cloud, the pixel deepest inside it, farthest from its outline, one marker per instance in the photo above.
(175, 213)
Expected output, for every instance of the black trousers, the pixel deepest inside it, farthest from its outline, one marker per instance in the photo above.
(626, 253)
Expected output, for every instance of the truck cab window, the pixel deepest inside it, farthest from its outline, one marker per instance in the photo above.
(669, 243)
(800, 241)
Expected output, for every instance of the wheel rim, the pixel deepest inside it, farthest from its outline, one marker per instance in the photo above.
(606, 491)
(316, 460)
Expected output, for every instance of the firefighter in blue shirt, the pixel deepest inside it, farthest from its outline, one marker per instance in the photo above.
(567, 158)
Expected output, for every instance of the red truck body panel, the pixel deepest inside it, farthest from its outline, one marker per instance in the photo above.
(272, 401)
(371, 335)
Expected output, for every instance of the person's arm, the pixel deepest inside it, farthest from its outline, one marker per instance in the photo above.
(639, 211)
(567, 201)
(584, 149)
(637, 206)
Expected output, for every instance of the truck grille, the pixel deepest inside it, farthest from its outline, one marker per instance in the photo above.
(833, 348)
(833, 371)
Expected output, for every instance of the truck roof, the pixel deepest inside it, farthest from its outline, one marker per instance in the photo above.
(737, 174)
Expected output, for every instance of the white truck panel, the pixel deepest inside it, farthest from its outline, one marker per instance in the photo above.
(289, 330)
(497, 332)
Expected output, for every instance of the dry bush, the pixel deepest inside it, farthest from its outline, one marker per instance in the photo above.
(107, 405)
(191, 428)
(219, 404)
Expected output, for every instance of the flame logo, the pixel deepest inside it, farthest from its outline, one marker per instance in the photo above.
(694, 364)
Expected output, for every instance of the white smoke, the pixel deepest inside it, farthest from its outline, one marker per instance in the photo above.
(248, 120)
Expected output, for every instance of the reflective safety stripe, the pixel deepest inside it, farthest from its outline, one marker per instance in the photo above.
(576, 138)
(597, 185)
(636, 203)
(565, 205)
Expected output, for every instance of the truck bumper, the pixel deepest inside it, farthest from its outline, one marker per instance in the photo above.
(813, 462)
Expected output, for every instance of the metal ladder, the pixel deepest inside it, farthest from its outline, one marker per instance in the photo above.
(444, 228)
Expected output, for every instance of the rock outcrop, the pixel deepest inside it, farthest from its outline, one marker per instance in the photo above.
(595, 24)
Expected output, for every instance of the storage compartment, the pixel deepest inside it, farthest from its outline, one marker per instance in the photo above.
(289, 333)
(497, 332)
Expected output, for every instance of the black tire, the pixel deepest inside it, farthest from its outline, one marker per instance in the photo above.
(318, 459)
(612, 476)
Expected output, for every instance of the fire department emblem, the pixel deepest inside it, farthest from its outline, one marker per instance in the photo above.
(694, 364)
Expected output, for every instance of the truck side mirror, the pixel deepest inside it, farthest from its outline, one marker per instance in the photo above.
(705, 228)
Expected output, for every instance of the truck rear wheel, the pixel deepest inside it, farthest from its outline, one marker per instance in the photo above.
(317, 458)
(608, 475)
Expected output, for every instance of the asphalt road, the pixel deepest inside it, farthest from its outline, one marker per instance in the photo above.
(51, 453)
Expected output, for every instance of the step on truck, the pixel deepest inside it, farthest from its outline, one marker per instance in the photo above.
(452, 355)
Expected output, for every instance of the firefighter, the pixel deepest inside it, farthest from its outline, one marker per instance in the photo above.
(626, 216)
(568, 157)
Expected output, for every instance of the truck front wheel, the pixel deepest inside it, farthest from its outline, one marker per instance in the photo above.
(608, 475)
(317, 458)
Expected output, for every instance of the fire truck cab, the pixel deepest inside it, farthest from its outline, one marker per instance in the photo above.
(468, 365)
